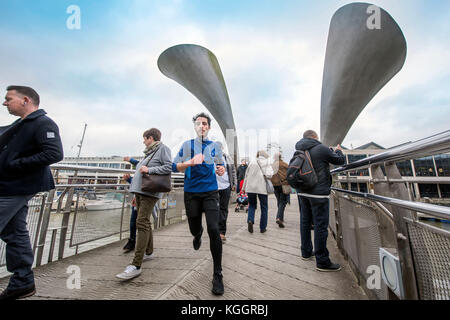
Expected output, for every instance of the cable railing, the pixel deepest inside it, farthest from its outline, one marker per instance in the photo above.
(384, 219)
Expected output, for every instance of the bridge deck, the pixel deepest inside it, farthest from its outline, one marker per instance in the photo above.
(255, 266)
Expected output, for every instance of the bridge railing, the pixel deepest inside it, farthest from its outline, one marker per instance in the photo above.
(65, 218)
(385, 218)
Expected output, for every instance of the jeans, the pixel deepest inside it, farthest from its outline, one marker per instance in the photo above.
(207, 202)
(133, 224)
(13, 230)
(144, 239)
(282, 200)
(224, 200)
(252, 205)
(315, 210)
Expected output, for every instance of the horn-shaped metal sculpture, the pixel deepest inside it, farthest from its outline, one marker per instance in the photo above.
(197, 69)
(362, 55)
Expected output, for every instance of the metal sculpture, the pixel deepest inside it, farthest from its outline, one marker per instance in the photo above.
(197, 69)
(360, 59)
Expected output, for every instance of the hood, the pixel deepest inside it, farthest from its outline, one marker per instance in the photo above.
(306, 144)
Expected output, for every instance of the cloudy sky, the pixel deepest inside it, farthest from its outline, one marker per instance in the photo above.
(271, 54)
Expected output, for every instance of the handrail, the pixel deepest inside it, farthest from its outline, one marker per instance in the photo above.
(436, 144)
(434, 210)
(101, 169)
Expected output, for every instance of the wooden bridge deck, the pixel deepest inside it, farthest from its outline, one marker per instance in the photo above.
(255, 267)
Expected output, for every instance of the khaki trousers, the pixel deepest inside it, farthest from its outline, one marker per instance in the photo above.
(144, 238)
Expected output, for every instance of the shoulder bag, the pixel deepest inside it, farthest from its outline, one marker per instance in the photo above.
(156, 183)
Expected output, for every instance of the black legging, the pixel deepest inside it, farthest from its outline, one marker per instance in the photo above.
(207, 202)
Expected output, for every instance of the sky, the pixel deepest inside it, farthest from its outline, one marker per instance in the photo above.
(271, 54)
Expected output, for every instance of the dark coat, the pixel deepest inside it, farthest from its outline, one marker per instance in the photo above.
(27, 148)
(321, 157)
(241, 172)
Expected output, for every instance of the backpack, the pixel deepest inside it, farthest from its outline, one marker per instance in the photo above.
(301, 173)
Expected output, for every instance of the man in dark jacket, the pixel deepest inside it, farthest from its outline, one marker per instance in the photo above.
(241, 174)
(314, 202)
(27, 147)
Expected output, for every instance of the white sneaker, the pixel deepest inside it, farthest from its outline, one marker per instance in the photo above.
(147, 257)
(130, 272)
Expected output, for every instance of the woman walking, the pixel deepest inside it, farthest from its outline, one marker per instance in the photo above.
(255, 185)
(157, 161)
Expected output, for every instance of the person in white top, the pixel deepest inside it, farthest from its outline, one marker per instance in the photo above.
(257, 173)
(226, 184)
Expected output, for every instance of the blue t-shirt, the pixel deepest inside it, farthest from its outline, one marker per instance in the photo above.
(202, 177)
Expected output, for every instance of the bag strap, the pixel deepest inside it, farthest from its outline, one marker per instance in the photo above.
(261, 170)
(153, 155)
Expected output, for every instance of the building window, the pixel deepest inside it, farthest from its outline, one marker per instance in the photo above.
(428, 190)
(362, 187)
(354, 186)
(344, 185)
(114, 165)
(405, 168)
(443, 165)
(355, 157)
(445, 190)
(424, 167)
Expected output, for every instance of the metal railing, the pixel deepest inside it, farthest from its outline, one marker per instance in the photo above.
(60, 221)
(384, 217)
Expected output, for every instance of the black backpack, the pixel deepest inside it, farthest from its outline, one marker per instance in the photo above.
(300, 173)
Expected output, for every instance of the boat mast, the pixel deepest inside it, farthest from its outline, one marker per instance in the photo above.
(81, 143)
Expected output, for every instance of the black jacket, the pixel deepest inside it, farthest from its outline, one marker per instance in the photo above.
(241, 172)
(27, 148)
(321, 157)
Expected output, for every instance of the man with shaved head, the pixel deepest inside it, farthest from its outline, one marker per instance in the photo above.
(27, 147)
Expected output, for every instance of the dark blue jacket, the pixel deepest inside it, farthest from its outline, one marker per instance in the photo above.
(27, 148)
(321, 157)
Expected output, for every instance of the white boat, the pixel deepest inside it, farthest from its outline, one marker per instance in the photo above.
(108, 201)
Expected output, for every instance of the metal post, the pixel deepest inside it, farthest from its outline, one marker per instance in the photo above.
(52, 245)
(65, 223)
(44, 227)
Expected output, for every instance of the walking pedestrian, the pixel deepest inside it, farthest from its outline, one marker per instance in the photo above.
(314, 202)
(131, 243)
(226, 183)
(241, 174)
(255, 186)
(197, 158)
(280, 185)
(157, 161)
(28, 146)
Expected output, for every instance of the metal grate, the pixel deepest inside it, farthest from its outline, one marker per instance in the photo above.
(431, 253)
(35, 210)
(361, 237)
